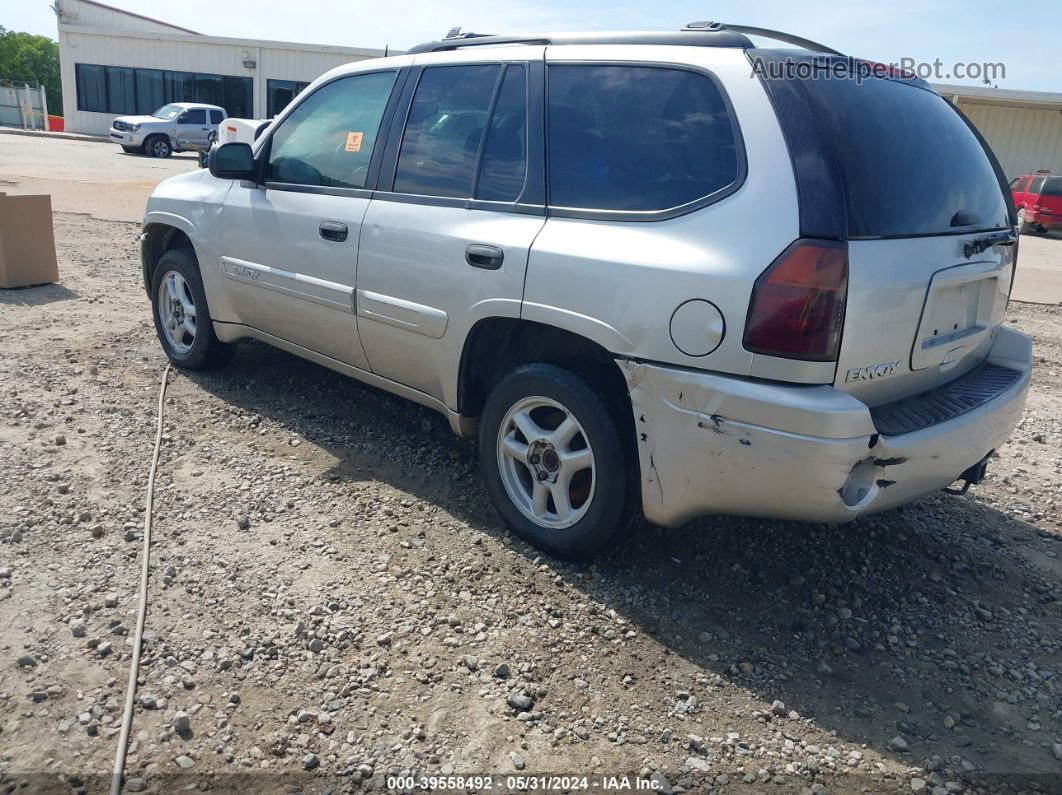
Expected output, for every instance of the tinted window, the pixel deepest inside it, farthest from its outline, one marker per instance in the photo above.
(279, 93)
(328, 139)
(91, 84)
(444, 128)
(196, 116)
(150, 90)
(121, 90)
(504, 163)
(1037, 184)
(636, 138)
(237, 96)
(1053, 186)
(209, 89)
(911, 164)
(180, 86)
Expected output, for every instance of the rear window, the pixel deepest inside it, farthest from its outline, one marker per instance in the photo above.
(909, 162)
(1052, 187)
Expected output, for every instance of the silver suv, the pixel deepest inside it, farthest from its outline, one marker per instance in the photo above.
(172, 128)
(669, 274)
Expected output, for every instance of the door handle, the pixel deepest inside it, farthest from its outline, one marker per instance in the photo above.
(334, 231)
(487, 257)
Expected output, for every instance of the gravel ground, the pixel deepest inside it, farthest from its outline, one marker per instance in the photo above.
(333, 599)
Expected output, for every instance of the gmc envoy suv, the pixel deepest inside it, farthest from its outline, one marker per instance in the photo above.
(669, 274)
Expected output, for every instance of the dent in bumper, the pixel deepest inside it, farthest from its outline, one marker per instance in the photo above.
(712, 444)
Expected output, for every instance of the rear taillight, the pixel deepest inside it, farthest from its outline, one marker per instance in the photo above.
(797, 307)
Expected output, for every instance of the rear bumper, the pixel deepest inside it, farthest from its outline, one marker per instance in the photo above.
(713, 444)
(1045, 219)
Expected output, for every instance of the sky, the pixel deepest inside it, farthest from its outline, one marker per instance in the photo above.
(953, 31)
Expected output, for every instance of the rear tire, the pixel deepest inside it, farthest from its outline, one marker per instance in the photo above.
(158, 146)
(556, 460)
(181, 314)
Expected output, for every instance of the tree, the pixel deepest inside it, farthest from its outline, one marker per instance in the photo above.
(25, 58)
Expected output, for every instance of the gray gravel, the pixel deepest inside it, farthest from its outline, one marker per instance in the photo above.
(333, 598)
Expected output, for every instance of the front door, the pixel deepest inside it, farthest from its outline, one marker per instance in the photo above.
(290, 244)
(193, 126)
(446, 238)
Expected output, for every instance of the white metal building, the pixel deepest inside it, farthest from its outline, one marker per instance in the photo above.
(115, 62)
(1024, 128)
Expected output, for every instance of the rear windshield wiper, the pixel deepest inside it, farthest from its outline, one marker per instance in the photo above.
(986, 242)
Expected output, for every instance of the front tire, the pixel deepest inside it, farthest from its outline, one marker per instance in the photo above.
(556, 466)
(158, 146)
(182, 317)
(1023, 225)
(130, 150)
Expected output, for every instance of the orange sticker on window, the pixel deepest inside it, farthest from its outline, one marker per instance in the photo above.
(354, 141)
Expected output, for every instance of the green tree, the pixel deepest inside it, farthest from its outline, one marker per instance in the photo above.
(25, 58)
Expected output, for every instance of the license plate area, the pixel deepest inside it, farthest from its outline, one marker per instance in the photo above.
(960, 311)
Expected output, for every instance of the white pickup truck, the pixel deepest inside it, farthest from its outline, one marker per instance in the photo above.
(172, 128)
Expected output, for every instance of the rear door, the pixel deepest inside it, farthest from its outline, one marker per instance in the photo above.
(446, 238)
(1018, 188)
(920, 191)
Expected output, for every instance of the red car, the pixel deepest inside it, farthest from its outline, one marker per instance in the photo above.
(1038, 200)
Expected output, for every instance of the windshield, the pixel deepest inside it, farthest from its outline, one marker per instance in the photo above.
(167, 112)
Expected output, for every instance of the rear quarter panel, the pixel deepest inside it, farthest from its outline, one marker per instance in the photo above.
(619, 282)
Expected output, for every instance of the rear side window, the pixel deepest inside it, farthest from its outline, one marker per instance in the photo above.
(328, 139)
(634, 138)
(1053, 186)
(216, 117)
(444, 130)
(911, 164)
(1036, 186)
(504, 165)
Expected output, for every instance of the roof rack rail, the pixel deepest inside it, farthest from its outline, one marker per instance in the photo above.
(696, 34)
(767, 33)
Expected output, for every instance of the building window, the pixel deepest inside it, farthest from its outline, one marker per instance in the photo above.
(279, 94)
(124, 90)
(91, 87)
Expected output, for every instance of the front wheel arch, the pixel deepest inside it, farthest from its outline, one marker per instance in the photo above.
(158, 239)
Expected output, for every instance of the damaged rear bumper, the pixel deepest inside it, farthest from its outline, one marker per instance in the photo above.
(716, 444)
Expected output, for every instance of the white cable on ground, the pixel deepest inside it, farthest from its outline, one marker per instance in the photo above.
(138, 636)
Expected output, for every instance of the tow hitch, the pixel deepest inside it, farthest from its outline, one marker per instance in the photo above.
(972, 476)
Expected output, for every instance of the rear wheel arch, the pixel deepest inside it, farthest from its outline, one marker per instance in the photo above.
(497, 345)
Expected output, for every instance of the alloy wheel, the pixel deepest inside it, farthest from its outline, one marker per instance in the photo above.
(176, 308)
(546, 462)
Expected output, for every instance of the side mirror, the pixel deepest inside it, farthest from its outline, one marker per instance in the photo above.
(233, 161)
(182, 119)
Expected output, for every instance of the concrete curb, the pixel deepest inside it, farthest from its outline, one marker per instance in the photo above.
(98, 139)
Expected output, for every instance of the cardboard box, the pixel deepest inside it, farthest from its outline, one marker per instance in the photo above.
(27, 241)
